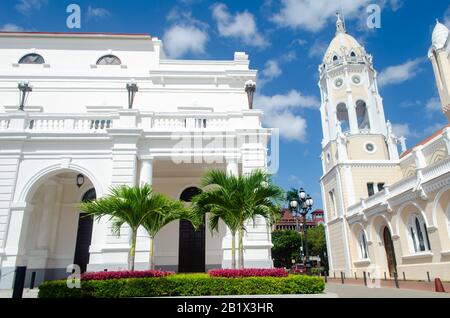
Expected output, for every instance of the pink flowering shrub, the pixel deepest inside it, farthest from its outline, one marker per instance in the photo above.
(248, 272)
(124, 274)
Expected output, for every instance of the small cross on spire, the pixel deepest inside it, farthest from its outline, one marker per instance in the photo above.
(340, 25)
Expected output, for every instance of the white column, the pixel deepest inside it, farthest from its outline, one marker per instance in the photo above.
(447, 139)
(419, 158)
(232, 167)
(232, 170)
(143, 238)
(146, 176)
(13, 253)
(393, 149)
(352, 118)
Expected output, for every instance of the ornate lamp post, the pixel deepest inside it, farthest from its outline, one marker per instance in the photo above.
(300, 207)
(250, 88)
(25, 89)
(132, 89)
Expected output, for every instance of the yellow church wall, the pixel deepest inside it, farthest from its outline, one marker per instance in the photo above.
(337, 245)
(364, 175)
(356, 147)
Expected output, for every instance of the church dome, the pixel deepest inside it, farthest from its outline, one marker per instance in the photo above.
(342, 45)
(440, 35)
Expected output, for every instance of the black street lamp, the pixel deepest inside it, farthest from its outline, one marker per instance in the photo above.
(132, 89)
(250, 88)
(300, 207)
(25, 89)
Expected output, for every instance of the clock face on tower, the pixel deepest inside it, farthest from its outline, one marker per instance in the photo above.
(339, 82)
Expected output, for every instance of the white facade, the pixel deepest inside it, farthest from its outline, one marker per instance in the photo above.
(385, 213)
(187, 117)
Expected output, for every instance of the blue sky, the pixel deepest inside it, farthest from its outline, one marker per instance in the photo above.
(286, 40)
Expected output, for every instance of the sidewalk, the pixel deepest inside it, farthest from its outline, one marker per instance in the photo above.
(408, 285)
(27, 293)
(357, 291)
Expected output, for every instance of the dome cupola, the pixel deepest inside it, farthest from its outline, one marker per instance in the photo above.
(343, 45)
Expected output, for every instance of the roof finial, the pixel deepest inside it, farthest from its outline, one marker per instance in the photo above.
(340, 26)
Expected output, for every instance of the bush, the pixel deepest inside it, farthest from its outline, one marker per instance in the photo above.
(124, 274)
(248, 272)
(184, 285)
(317, 271)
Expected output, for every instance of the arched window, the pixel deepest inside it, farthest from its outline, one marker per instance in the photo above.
(32, 58)
(333, 203)
(353, 54)
(418, 234)
(189, 193)
(109, 60)
(362, 244)
(362, 115)
(335, 58)
(342, 116)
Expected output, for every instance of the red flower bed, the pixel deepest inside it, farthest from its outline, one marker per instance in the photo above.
(248, 272)
(124, 274)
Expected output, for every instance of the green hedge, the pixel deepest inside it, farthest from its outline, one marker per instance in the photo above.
(184, 285)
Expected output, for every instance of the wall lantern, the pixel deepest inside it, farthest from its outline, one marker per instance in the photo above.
(25, 89)
(80, 180)
(132, 88)
(250, 88)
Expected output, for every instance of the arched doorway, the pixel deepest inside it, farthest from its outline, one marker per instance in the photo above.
(191, 257)
(51, 238)
(390, 252)
(84, 234)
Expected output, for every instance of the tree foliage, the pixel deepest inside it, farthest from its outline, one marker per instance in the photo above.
(286, 247)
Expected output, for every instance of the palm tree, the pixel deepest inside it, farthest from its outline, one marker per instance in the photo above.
(292, 194)
(136, 206)
(124, 205)
(163, 211)
(236, 200)
(218, 203)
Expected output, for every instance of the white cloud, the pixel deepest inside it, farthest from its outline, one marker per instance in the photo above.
(399, 73)
(318, 49)
(9, 27)
(401, 130)
(447, 17)
(272, 69)
(280, 112)
(396, 4)
(313, 15)
(240, 26)
(180, 40)
(27, 6)
(291, 127)
(434, 104)
(97, 13)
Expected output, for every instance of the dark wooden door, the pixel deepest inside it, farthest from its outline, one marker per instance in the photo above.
(84, 234)
(84, 237)
(192, 249)
(191, 256)
(390, 252)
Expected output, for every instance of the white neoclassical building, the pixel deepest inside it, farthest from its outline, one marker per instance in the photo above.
(77, 136)
(386, 212)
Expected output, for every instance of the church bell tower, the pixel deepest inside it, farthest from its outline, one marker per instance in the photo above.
(359, 149)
